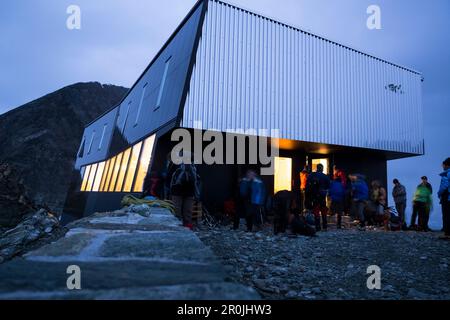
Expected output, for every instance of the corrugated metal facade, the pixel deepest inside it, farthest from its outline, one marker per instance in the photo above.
(252, 72)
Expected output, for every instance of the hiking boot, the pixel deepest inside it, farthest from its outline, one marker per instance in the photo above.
(190, 226)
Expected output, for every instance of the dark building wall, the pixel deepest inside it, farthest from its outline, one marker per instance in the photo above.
(373, 166)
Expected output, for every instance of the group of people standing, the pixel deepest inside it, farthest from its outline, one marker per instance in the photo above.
(369, 205)
(349, 195)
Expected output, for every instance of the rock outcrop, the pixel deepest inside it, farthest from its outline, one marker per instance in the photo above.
(41, 138)
(23, 225)
(14, 203)
(34, 230)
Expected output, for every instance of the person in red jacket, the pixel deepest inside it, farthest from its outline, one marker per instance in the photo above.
(303, 179)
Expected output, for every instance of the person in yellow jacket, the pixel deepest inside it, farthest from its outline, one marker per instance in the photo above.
(422, 203)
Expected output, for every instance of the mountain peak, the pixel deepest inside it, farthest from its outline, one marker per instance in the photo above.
(44, 134)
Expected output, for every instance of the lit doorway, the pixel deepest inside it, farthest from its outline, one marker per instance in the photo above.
(283, 174)
(325, 162)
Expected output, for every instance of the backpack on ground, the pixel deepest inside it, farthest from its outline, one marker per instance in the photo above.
(300, 226)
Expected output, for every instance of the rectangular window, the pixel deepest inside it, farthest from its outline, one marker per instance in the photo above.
(110, 171)
(163, 83)
(140, 105)
(123, 170)
(132, 167)
(91, 177)
(115, 172)
(81, 149)
(98, 177)
(105, 174)
(126, 117)
(144, 163)
(85, 178)
(92, 141)
(102, 137)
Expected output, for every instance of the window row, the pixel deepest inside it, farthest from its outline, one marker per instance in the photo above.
(123, 173)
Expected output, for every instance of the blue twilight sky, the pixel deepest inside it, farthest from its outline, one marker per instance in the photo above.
(118, 38)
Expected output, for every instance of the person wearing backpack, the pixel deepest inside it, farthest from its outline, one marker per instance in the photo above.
(184, 188)
(252, 193)
(283, 205)
(337, 195)
(444, 196)
(399, 195)
(317, 187)
(422, 203)
(360, 196)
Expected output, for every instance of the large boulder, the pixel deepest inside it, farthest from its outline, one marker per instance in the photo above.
(14, 203)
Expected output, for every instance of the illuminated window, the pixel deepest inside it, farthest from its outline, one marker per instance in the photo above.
(115, 172)
(144, 162)
(102, 137)
(98, 176)
(132, 167)
(140, 104)
(108, 177)
(324, 162)
(91, 177)
(85, 178)
(283, 174)
(123, 170)
(105, 174)
(163, 82)
(92, 141)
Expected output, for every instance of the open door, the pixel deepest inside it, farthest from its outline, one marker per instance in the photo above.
(283, 174)
(325, 162)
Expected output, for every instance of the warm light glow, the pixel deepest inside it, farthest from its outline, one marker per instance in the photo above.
(123, 170)
(324, 162)
(98, 177)
(105, 174)
(132, 167)
(85, 178)
(115, 172)
(144, 163)
(283, 174)
(91, 177)
(110, 172)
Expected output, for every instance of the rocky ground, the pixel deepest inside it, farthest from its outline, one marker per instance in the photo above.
(333, 265)
(132, 253)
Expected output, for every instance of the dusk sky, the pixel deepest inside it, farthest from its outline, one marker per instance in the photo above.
(117, 40)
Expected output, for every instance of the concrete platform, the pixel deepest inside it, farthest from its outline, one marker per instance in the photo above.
(123, 255)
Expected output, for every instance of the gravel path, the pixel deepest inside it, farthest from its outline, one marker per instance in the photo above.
(333, 265)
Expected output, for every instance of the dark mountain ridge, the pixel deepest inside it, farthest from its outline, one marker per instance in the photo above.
(40, 139)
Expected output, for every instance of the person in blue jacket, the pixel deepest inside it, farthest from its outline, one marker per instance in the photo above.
(360, 196)
(444, 196)
(253, 195)
(337, 195)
